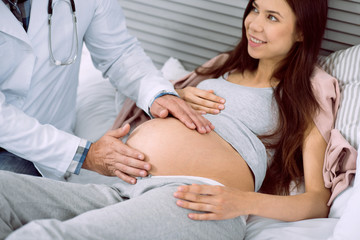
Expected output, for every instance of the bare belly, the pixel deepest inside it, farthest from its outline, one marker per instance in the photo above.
(173, 149)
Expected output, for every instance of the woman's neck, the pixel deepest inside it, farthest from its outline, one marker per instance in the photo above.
(262, 77)
(264, 73)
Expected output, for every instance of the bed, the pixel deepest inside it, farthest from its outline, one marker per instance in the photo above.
(96, 112)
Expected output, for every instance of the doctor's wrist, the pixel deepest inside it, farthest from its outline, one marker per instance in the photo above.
(80, 155)
(160, 94)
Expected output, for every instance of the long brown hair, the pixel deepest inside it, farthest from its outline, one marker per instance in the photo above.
(293, 94)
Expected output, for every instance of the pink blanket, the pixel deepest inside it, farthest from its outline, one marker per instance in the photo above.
(340, 164)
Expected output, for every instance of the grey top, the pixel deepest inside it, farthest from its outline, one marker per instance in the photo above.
(248, 112)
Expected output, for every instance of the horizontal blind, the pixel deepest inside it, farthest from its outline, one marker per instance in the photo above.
(343, 25)
(194, 31)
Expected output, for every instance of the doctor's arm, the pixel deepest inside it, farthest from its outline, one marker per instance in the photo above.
(121, 58)
(48, 147)
(223, 203)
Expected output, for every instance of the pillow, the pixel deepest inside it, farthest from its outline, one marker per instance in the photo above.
(173, 69)
(344, 65)
(95, 108)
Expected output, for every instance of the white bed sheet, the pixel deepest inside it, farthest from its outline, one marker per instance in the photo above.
(269, 229)
(96, 112)
(348, 226)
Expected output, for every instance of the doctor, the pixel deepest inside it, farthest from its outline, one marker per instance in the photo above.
(40, 47)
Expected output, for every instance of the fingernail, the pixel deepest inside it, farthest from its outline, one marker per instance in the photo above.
(221, 106)
(141, 157)
(208, 129)
(191, 125)
(147, 167)
(163, 113)
(215, 111)
(133, 181)
(180, 203)
(203, 129)
(143, 173)
(222, 100)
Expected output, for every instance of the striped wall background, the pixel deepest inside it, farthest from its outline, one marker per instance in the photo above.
(195, 30)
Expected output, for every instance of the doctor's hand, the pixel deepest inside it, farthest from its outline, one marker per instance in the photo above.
(215, 202)
(203, 101)
(169, 104)
(111, 157)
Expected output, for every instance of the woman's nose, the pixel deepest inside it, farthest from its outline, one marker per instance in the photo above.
(256, 24)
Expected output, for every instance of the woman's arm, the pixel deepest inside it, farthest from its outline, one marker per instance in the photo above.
(223, 203)
(312, 203)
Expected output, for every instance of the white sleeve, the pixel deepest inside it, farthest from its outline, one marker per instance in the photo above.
(121, 58)
(46, 146)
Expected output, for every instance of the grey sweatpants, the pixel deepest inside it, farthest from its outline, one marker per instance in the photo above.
(39, 208)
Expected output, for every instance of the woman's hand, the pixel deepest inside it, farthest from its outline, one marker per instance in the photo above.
(216, 202)
(204, 101)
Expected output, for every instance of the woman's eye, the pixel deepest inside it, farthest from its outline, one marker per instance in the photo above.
(272, 18)
(254, 9)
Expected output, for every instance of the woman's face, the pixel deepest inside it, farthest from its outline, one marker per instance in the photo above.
(270, 30)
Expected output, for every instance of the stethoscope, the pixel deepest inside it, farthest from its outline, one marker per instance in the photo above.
(73, 55)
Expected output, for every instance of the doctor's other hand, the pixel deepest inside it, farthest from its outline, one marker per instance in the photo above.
(178, 108)
(213, 202)
(203, 101)
(111, 157)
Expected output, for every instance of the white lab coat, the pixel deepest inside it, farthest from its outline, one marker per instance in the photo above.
(37, 98)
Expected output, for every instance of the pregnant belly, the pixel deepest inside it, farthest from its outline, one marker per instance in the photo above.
(173, 149)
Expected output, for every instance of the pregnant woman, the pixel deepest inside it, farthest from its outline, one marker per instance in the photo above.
(263, 139)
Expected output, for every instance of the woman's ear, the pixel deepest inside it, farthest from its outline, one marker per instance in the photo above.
(299, 37)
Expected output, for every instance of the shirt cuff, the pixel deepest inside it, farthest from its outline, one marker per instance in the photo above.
(79, 157)
(160, 94)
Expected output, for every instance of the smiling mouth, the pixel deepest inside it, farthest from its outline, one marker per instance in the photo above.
(256, 40)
